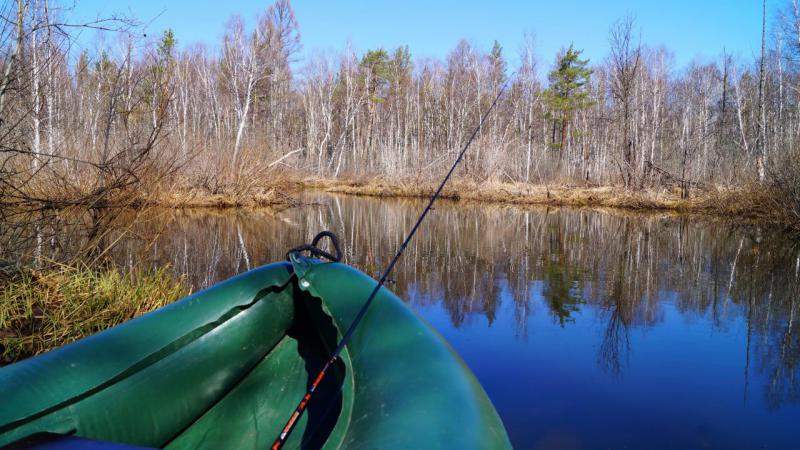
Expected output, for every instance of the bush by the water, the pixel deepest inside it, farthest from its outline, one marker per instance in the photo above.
(43, 310)
(785, 183)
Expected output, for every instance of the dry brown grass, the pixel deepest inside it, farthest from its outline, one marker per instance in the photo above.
(199, 198)
(747, 202)
(264, 188)
(276, 189)
(256, 187)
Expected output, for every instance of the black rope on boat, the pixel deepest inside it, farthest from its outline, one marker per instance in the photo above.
(298, 412)
(318, 252)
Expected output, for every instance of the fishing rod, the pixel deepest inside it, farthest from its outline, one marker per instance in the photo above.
(298, 412)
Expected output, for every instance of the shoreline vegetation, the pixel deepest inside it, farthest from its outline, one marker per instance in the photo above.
(753, 204)
(44, 309)
(775, 203)
(545, 195)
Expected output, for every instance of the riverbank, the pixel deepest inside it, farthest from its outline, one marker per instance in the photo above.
(752, 203)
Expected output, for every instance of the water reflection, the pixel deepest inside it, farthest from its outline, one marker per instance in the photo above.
(660, 306)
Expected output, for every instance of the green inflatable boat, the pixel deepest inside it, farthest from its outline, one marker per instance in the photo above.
(225, 367)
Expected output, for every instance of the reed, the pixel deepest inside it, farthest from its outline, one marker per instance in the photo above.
(40, 310)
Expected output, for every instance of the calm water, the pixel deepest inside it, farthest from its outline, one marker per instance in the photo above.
(588, 330)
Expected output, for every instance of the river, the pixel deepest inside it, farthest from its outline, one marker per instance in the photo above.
(588, 329)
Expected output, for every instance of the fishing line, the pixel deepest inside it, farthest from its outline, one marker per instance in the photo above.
(298, 412)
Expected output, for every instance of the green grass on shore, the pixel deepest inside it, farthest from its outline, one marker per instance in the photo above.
(40, 310)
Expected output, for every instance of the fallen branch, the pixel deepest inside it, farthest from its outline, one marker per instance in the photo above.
(283, 157)
(670, 177)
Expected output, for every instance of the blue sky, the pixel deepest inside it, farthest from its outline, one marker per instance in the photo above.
(692, 29)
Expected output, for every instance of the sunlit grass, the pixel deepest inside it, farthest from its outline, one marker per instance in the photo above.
(43, 310)
(752, 202)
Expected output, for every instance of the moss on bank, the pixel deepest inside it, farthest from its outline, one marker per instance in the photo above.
(43, 310)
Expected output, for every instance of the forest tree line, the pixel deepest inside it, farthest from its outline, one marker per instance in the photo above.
(76, 124)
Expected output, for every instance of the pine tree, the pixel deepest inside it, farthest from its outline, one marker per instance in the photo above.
(376, 73)
(568, 92)
(166, 45)
(498, 65)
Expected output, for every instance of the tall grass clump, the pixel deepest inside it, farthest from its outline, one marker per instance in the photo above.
(43, 310)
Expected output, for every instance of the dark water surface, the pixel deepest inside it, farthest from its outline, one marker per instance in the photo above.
(588, 330)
